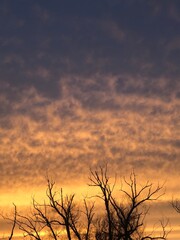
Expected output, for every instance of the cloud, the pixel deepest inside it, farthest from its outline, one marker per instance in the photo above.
(94, 121)
(40, 72)
(13, 59)
(41, 13)
(174, 11)
(113, 30)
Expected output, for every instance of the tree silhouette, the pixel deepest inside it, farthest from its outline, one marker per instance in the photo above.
(176, 205)
(61, 217)
(13, 221)
(124, 220)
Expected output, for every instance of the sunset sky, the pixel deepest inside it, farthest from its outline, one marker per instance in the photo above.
(85, 82)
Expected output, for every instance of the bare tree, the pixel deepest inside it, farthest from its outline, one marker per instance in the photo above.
(89, 214)
(100, 179)
(13, 222)
(57, 214)
(123, 217)
(30, 226)
(124, 220)
(176, 205)
(63, 208)
(70, 215)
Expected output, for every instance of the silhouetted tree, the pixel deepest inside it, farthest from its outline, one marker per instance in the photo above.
(70, 215)
(124, 221)
(176, 205)
(13, 221)
(60, 215)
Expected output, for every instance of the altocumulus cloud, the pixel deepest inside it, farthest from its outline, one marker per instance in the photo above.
(93, 121)
(86, 83)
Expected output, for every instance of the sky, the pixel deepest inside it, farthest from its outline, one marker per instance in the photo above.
(85, 83)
